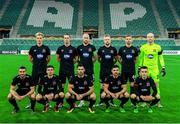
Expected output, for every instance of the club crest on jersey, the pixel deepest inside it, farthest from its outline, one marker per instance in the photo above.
(103, 51)
(147, 84)
(45, 83)
(85, 82)
(119, 82)
(140, 83)
(133, 51)
(154, 50)
(112, 51)
(76, 82)
(89, 50)
(27, 84)
(54, 82)
(44, 50)
(111, 82)
(62, 50)
(70, 51)
(35, 50)
(124, 51)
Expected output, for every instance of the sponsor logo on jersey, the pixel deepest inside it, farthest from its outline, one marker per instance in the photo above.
(40, 56)
(86, 54)
(81, 88)
(144, 90)
(150, 56)
(107, 56)
(115, 88)
(129, 56)
(66, 56)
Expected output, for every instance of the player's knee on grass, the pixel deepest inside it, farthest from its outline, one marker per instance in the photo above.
(103, 95)
(133, 96)
(61, 94)
(39, 97)
(93, 96)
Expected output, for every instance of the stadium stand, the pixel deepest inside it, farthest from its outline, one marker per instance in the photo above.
(121, 21)
(2, 3)
(12, 12)
(53, 19)
(90, 13)
(176, 5)
(25, 44)
(165, 13)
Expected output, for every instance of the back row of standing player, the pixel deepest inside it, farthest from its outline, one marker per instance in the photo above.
(107, 55)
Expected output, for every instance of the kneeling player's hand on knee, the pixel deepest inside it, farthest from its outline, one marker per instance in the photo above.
(163, 71)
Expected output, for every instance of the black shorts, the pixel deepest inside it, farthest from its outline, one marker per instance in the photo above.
(128, 76)
(103, 77)
(63, 77)
(36, 75)
(22, 92)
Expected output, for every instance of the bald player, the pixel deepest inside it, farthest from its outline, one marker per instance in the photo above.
(150, 53)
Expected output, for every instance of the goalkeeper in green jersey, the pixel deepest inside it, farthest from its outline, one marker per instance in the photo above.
(150, 53)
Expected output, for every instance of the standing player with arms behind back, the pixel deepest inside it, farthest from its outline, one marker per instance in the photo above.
(128, 56)
(87, 57)
(66, 56)
(107, 56)
(39, 56)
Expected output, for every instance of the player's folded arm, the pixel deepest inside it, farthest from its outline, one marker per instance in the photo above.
(89, 92)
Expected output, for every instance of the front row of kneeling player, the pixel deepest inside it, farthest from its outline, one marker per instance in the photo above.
(81, 88)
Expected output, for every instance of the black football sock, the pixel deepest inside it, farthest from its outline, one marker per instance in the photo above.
(33, 102)
(92, 102)
(14, 103)
(134, 101)
(70, 101)
(155, 101)
(123, 101)
(101, 100)
(106, 100)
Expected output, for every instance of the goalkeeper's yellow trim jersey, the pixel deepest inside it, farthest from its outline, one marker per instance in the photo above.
(149, 55)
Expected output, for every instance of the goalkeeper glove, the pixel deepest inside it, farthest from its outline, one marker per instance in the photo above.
(163, 71)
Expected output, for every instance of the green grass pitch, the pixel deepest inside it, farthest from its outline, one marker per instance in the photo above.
(170, 98)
